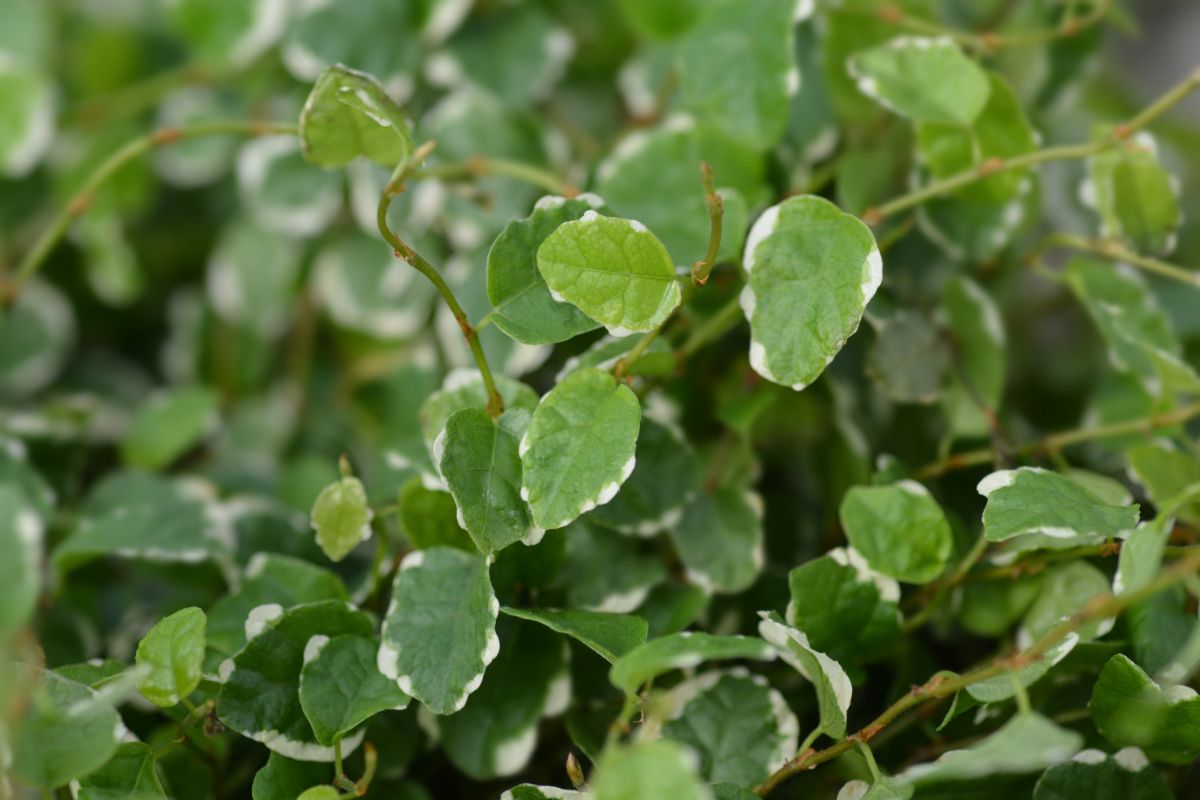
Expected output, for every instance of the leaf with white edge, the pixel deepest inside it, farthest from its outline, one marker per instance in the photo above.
(27, 128)
(364, 287)
(648, 770)
(1136, 198)
(608, 635)
(527, 791)
(463, 388)
(283, 191)
(521, 302)
(847, 609)
(579, 447)
(67, 729)
(826, 675)
(811, 271)
(20, 475)
(167, 425)
(21, 536)
(147, 517)
(666, 474)
(349, 114)
(260, 696)
(1130, 709)
(740, 728)
(924, 79)
(480, 460)
(1031, 500)
(341, 516)
(36, 334)
(495, 734)
(252, 278)
(1065, 590)
(1096, 775)
(613, 270)
(883, 788)
(173, 653)
(1003, 686)
(682, 651)
(738, 70)
(341, 688)
(605, 570)
(129, 775)
(1165, 470)
(222, 35)
(1027, 743)
(284, 779)
(719, 538)
(440, 631)
(909, 358)
(899, 529)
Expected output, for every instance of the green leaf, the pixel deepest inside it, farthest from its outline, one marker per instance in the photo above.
(252, 277)
(463, 388)
(883, 788)
(1095, 775)
(665, 476)
(21, 477)
(648, 771)
(899, 529)
(1165, 471)
(605, 570)
(349, 114)
(429, 518)
(36, 334)
(657, 359)
(1004, 686)
(909, 358)
(1136, 198)
(608, 635)
(341, 688)
(67, 731)
(826, 675)
(496, 732)
(1027, 743)
(980, 343)
(322, 792)
(740, 728)
(527, 791)
(614, 270)
(284, 779)
(812, 270)
(223, 35)
(129, 775)
(579, 447)
(522, 304)
(847, 609)
(440, 631)
(480, 462)
(364, 287)
(27, 127)
(681, 651)
(1132, 710)
(926, 80)
(260, 693)
(661, 19)
(737, 68)
(169, 424)
(1066, 589)
(21, 534)
(1031, 500)
(341, 516)
(173, 653)
(720, 539)
(282, 190)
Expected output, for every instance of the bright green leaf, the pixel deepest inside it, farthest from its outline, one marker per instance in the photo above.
(926, 80)
(341, 516)
(167, 425)
(173, 652)
(349, 114)
(1132, 710)
(899, 529)
(129, 775)
(648, 771)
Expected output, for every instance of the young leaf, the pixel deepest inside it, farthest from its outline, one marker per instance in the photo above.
(21, 532)
(521, 302)
(812, 270)
(349, 114)
(482, 467)
(614, 270)
(173, 653)
(826, 675)
(1031, 500)
(260, 694)
(680, 651)
(167, 425)
(608, 635)
(648, 771)
(129, 775)
(926, 80)
(719, 539)
(440, 631)
(341, 688)
(341, 516)
(1132, 710)
(899, 529)
(579, 447)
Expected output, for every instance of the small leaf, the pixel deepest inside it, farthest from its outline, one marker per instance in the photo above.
(349, 114)
(1027, 743)
(129, 775)
(614, 270)
(341, 516)
(173, 652)
(21, 533)
(341, 688)
(440, 631)
(1095, 775)
(720, 539)
(826, 675)
(926, 80)
(899, 529)
(482, 467)
(681, 651)
(608, 635)
(648, 770)
(167, 425)
(579, 448)
(1031, 500)
(812, 270)
(1132, 710)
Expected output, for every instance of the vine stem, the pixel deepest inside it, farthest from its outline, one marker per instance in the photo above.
(404, 251)
(942, 685)
(1113, 250)
(1058, 441)
(1060, 153)
(131, 151)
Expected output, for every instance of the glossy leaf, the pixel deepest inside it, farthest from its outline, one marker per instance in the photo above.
(349, 114)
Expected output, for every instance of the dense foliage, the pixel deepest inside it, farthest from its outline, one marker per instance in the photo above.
(436, 398)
